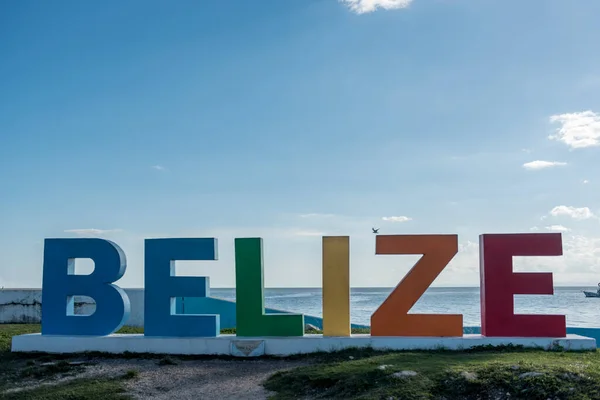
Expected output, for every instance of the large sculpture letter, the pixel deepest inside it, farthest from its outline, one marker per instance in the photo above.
(251, 319)
(162, 287)
(61, 285)
(499, 284)
(392, 318)
(336, 286)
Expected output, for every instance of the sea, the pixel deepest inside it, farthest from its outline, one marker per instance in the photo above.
(570, 301)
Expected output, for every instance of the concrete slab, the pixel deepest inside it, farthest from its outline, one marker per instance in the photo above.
(276, 346)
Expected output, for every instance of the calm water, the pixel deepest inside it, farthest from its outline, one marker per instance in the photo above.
(569, 301)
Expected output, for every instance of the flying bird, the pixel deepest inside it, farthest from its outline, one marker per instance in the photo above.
(376, 231)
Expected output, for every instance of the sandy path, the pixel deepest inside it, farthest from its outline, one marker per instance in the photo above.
(202, 379)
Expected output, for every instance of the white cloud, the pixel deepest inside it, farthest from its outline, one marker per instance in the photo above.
(397, 219)
(367, 6)
(573, 212)
(158, 167)
(585, 181)
(557, 228)
(578, 130)
(466, 262)
(534, 229)
(538, 164)
(91, 231)
(581, 255)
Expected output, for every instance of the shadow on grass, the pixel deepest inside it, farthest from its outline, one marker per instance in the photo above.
(80, 389)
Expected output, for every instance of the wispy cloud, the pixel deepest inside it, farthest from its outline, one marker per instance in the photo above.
(585, 181)
(317, 215)
(159, 168)
(557, 228)
(538, 164)
(578, 130)
(91, 231)
(397, 219)
(308, 233)
(367, 6)
(580, 213)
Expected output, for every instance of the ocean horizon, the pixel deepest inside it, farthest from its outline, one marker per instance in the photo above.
(566, 300)
(391, 287)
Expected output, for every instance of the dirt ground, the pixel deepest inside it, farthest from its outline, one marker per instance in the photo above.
(186, 379)
(214, 379)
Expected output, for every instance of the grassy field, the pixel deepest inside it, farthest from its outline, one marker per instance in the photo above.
(499, 374)
(483, 374)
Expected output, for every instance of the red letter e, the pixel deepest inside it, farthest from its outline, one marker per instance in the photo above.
(499, 284)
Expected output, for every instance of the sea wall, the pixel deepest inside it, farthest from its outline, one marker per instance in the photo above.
(20, 306)
(24, 306)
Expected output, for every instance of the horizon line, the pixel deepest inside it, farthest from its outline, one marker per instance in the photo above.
(320, 287)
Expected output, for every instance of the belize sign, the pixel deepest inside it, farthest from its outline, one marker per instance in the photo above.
(392, 326)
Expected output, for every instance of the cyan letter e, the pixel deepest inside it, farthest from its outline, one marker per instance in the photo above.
(60, 285)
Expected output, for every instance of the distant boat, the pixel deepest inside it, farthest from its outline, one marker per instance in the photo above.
(592, 294)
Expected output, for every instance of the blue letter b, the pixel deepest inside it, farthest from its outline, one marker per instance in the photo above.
(60, 285)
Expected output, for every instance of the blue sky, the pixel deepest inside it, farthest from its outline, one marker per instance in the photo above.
(289, 120)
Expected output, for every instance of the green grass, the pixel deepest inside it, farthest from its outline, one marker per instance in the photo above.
(14, 368)
(78, 389)
(483, 374)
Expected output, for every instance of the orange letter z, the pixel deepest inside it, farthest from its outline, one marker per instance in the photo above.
(392, 317)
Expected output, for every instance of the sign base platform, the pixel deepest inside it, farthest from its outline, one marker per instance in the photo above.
(231, 345)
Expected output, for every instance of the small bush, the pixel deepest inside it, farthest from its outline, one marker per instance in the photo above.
(131, 374)
(167, 361)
